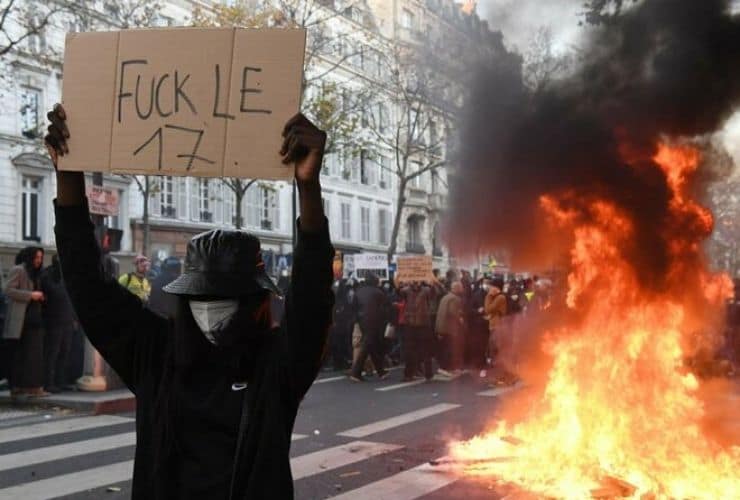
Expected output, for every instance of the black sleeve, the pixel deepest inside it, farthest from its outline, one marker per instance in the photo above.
(129, 336)
(309, 305)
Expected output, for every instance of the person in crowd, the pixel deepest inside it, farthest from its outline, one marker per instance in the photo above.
(418, 333)
(449, 327)
(136, 281)
(495, 310)
(24, 323)
(478, 327)
(60, 324)
(392, 343)
(217, 390)
(340, 335)
(160, 301)
(371, 312)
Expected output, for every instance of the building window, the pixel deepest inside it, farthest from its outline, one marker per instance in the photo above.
(346, 221)
(382, 117)
(365, 223)
(167, 197)
(30, 196)
(407, 19)
(200, 196)
(385, 171)
(416, 180)
(365, 168)
(269, 207)
(414, 242)
(30, 107)
(37, 40)
(383, 226)
(262, 208)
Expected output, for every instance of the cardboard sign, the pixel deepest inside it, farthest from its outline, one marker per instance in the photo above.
(414, 268)
(204, 102)
(102, 200)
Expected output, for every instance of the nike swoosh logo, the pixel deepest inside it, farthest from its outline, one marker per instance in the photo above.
(238, 386)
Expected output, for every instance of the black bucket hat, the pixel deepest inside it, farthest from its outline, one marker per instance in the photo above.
(223, 264)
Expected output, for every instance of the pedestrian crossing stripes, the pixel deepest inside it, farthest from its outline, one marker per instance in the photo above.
(407, 485)
(338, 456)
(49, 453)
(63, 467)
(59, 426)
(389, 423)
(68, 484)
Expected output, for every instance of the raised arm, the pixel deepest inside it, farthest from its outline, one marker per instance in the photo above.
(116, 322)
(310, 299)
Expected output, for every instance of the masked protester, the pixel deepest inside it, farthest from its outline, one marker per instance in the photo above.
(217, 388)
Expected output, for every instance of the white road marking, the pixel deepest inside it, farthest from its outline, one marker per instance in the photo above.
(338, 456)
(67, 484)
(329, 379)
(400, 386)
(436, 378)
(59, 426)
(75, 449)
(407, 485)
(389, 423)
(296, 437)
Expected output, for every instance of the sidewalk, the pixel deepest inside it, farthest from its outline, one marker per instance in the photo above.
(96, 403)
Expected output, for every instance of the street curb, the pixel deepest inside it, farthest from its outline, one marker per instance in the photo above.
(96, 403)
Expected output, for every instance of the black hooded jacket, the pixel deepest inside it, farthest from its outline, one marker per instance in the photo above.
(137, 343)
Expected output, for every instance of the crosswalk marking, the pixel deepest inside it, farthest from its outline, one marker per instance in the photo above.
(406, 485)
(400, 386)
(303, 466)
(329, 379)
(75, 449)
(389, 423)
(338, 456)
(436, 378)
(67, 484)
(59, 426)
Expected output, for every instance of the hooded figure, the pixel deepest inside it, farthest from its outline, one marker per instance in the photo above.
(217, 388)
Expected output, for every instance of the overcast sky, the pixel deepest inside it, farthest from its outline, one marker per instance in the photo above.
(519, 19)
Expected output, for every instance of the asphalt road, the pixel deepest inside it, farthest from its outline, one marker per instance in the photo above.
(356, 441)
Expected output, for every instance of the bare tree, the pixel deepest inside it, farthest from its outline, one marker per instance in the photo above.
(322, 101)
(414, 137)
(541, 64)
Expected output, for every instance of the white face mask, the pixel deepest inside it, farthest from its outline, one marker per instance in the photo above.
(213, 315)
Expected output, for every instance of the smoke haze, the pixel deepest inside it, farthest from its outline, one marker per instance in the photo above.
(664, 68)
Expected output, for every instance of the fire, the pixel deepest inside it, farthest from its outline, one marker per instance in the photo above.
(619, 403)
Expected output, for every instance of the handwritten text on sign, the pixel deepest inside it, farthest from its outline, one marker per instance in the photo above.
(416, 268)
(198, 102)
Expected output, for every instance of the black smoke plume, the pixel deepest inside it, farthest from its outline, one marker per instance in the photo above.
(662, 68)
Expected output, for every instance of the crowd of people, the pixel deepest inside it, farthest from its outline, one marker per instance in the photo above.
(462, 323)
(42, 347)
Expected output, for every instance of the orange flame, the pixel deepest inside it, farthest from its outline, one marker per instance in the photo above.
(619, 401)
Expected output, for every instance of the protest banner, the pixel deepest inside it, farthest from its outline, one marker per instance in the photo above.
(360, 265)
(414, 268)
(102, 200)
(204, 102)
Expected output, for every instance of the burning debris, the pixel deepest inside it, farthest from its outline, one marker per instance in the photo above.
(607, 169)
